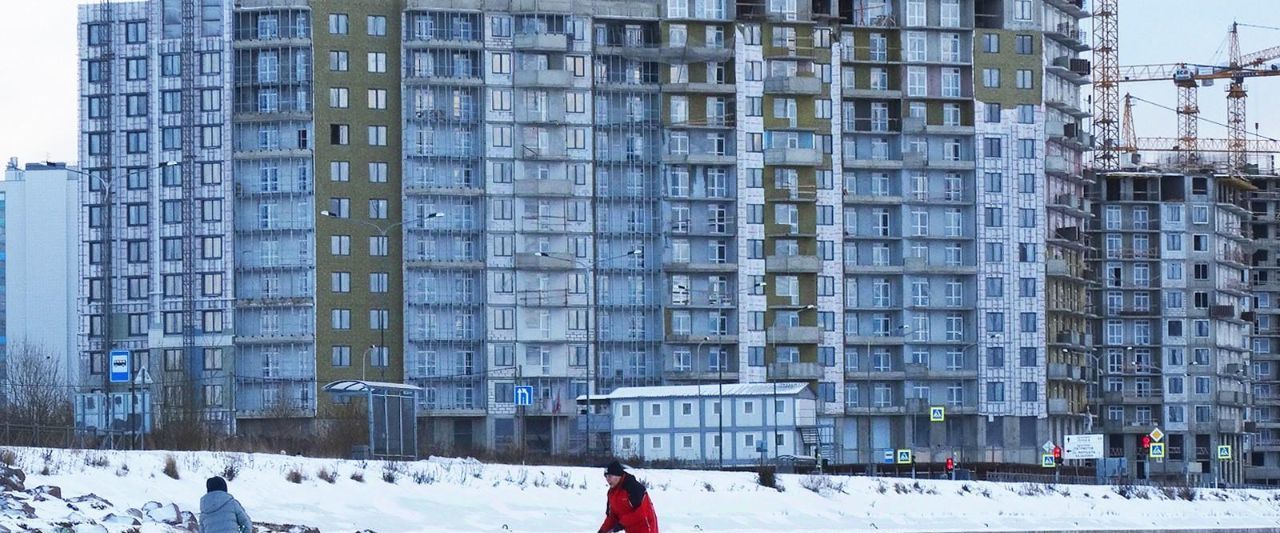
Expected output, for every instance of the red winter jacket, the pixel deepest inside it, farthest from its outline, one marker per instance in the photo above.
(629, 508)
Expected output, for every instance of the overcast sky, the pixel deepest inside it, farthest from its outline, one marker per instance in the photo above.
(38, 53)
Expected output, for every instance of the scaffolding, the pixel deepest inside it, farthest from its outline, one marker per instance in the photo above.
(274, 175)
(444, 98)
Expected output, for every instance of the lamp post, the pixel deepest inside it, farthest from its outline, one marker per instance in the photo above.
(110, 204)
(383, 351)
(595, 321)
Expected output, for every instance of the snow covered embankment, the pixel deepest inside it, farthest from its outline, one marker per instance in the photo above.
(159, 489)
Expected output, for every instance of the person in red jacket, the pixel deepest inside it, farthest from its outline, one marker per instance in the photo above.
(629, 508)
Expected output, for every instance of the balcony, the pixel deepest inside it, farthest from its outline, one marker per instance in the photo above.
(547, 261)
(535, 187)
(879, 94)
(699, 266)
(852, 161)
(541, 41)
(700, 158)
(1144, 396)
(1059, 406)
(1057, 267)
(795, 371)
(794, 335)
(792, 157)
(1230, 426)
(1232, 397)
(542, 78)
(808, 264)
(800, 84)
(1062, 371)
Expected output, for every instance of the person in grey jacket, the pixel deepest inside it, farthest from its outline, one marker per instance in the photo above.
(220, 512)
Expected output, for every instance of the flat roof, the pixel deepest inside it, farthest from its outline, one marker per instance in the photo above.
(689, 391)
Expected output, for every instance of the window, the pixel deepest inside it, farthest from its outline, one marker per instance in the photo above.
(135, 32)
(338, 23)
(377, 135)
(377, 98)
(376, 25)
(339, 134)
(991, 43)
(1022, 10)
(338, 60)
(1025, 79)
(1023, 44)
(377, 62)
(991, 78)
(338, 97)
(210, 63)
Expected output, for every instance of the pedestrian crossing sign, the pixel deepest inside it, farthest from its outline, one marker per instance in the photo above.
(1224, 452)
(1157, 450)
(937, 414)
(1046, 460)
(904, 457)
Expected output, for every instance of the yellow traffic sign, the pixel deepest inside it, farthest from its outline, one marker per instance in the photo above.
(1157, 450)
(1046, 460)
(904, 457)
(937, 414)
(1224, 452)
(1156, 434)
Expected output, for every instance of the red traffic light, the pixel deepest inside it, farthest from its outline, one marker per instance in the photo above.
(1057, 452)
(951, 464)
(1146, 441)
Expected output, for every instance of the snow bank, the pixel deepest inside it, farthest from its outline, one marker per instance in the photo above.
(444, 494)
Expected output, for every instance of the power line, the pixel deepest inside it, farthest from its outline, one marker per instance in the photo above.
(1201, 117)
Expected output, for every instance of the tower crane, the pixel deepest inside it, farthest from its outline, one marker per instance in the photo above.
(1188, 77)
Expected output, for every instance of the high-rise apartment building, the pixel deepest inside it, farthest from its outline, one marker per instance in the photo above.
(1173, 336)
(157, 204)
(581, 196)
(39, 244)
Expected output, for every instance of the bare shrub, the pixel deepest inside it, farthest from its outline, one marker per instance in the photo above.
(1189, 493)
(564, 480)
(328, 476)
(357, 476)
(424, 477)
(766, 476)
(37, 394)
(171, 466)
(8, 457)
(294, 476)
(96, 460)
(390, 472)
(231, 468)
(707, 487)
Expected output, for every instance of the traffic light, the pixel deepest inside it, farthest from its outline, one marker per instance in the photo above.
(1146, 442)
(1057, 455)
(951, 464)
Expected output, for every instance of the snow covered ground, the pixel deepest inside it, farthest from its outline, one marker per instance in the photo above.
(462, 495)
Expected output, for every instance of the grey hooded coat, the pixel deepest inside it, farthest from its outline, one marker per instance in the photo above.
(221, 513)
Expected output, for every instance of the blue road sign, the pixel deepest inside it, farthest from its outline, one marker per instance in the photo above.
(119, 366)
(888, 457)
(524, 395)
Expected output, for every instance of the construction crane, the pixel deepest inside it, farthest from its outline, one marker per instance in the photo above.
(1106, 90)
(1134, 144)
(1188, 77)
(1236, 124)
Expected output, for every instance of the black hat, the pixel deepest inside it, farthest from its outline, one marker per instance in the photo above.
(614, 469)
(215, 483)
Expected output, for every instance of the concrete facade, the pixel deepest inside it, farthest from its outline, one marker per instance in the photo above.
(39, 250)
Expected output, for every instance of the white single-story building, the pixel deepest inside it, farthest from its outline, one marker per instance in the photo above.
(759, 421)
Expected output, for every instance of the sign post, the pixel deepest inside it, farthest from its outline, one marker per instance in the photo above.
(120, 366)
(523, 395)
(1082, 447)
(937, 414)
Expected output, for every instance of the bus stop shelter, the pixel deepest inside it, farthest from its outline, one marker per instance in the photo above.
(393, 415)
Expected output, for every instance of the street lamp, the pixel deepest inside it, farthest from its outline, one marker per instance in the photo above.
(364, 361)
(595, 320)
(384, 352)
(110, 205)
